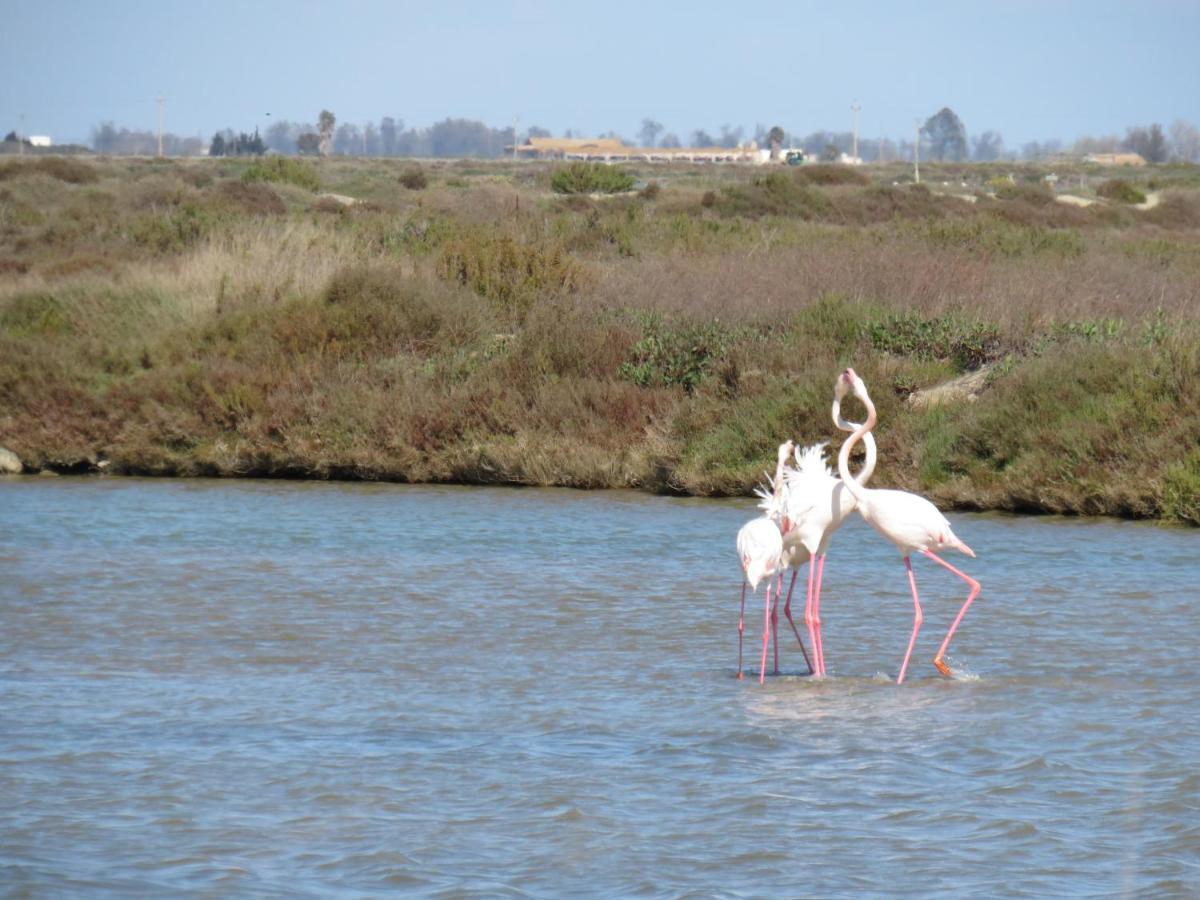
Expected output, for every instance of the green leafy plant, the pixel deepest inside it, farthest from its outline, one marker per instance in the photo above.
(590, 178)
(283, 170)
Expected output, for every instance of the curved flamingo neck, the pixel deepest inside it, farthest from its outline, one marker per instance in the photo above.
(868, 440)
(855, 487)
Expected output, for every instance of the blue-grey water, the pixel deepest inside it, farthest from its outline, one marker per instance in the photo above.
(264, 688)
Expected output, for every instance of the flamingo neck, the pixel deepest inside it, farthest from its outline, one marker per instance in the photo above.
(868, 440)
(856, 487)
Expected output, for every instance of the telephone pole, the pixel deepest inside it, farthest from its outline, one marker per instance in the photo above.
(917, 154)
(160, 101)
(21, 136)
(516, 119)
(854, 108)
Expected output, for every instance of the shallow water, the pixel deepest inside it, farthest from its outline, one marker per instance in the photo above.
(274, 688)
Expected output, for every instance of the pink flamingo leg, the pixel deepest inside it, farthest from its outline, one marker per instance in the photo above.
(809, 618)
(819, 650)
(787, 611)
(775, 622)
(917, 619)
(938, 660)
(762, 670)
(741, 628)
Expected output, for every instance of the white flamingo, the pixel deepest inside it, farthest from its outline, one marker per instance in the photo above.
(814, 505)
(760, 550)
(907, 520)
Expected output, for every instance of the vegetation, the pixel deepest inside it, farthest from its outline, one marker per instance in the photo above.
(282, 170)
(590, 178)
(1120, 190)
(210, 318)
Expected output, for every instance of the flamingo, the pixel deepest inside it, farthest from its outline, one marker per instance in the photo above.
(907, 520)
(760, 548)
(815, 504)
(772, 504)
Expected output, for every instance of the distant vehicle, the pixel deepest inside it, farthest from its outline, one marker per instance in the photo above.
(795, 158)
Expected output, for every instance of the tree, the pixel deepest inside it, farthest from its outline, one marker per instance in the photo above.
(775, 141)
(947, 136)
(649, 132)
(347, 140)
(1185, 141)
(1150, 143)
(387, 135)
(309, 143)
(701, 138)
(325, 122)
(669, 140)
(731, 137)
(988, 146)
(829, 153)
(217, 147)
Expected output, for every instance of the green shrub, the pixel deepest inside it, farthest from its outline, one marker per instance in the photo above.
(1181, 489)
(590, 178)
(414, 180)
(776, 194)
(1121, 191)
(283, 170)
(172, 230)
(509, 273)
(671, 354)
(967, 343)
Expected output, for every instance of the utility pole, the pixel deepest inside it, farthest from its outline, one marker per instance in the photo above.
(854, 108)
(516, 119)
(917, 154)
(160, 102)
(21, 136)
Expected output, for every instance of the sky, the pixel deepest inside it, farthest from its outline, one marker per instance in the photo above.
(1030, 70)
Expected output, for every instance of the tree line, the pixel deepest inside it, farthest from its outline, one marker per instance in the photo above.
(942, 137)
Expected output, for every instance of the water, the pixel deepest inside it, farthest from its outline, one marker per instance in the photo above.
(324, 689)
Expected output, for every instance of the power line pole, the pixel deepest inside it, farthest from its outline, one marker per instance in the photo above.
(516, 119)
(160, 102)
(854, 108)
(21, 136)
(917, 154)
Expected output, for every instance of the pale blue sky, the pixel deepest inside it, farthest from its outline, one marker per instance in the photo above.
(1031, 70)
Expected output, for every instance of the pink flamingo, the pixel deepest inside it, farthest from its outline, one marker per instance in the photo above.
(760, 549)
(907, 520)
(773, 505)
(815, 504)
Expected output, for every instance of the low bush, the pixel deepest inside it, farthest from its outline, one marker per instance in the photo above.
(590, 178)
(966, 343)
(283, 170)
(776, 194)
(414, 180)
(509, 273)
(828, 174)
(72, 171)
(1121, 191)
(253, 199)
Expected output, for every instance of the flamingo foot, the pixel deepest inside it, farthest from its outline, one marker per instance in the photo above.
(942, 667)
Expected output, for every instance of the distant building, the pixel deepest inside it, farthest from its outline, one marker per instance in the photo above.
(1115, 159)
(612, 150)
(39, 140)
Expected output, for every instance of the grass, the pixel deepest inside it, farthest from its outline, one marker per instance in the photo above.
(194, 318)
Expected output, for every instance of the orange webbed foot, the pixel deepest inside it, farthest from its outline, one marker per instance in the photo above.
(942, 667)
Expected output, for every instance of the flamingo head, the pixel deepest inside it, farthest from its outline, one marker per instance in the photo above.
(849, 380)
(785, 450)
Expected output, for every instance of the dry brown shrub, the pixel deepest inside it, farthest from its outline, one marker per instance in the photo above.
(255, 198)
(1176, 210)
(76, 265)
(72, 171)
(831, 175)
(330, 206)
(13, 267)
